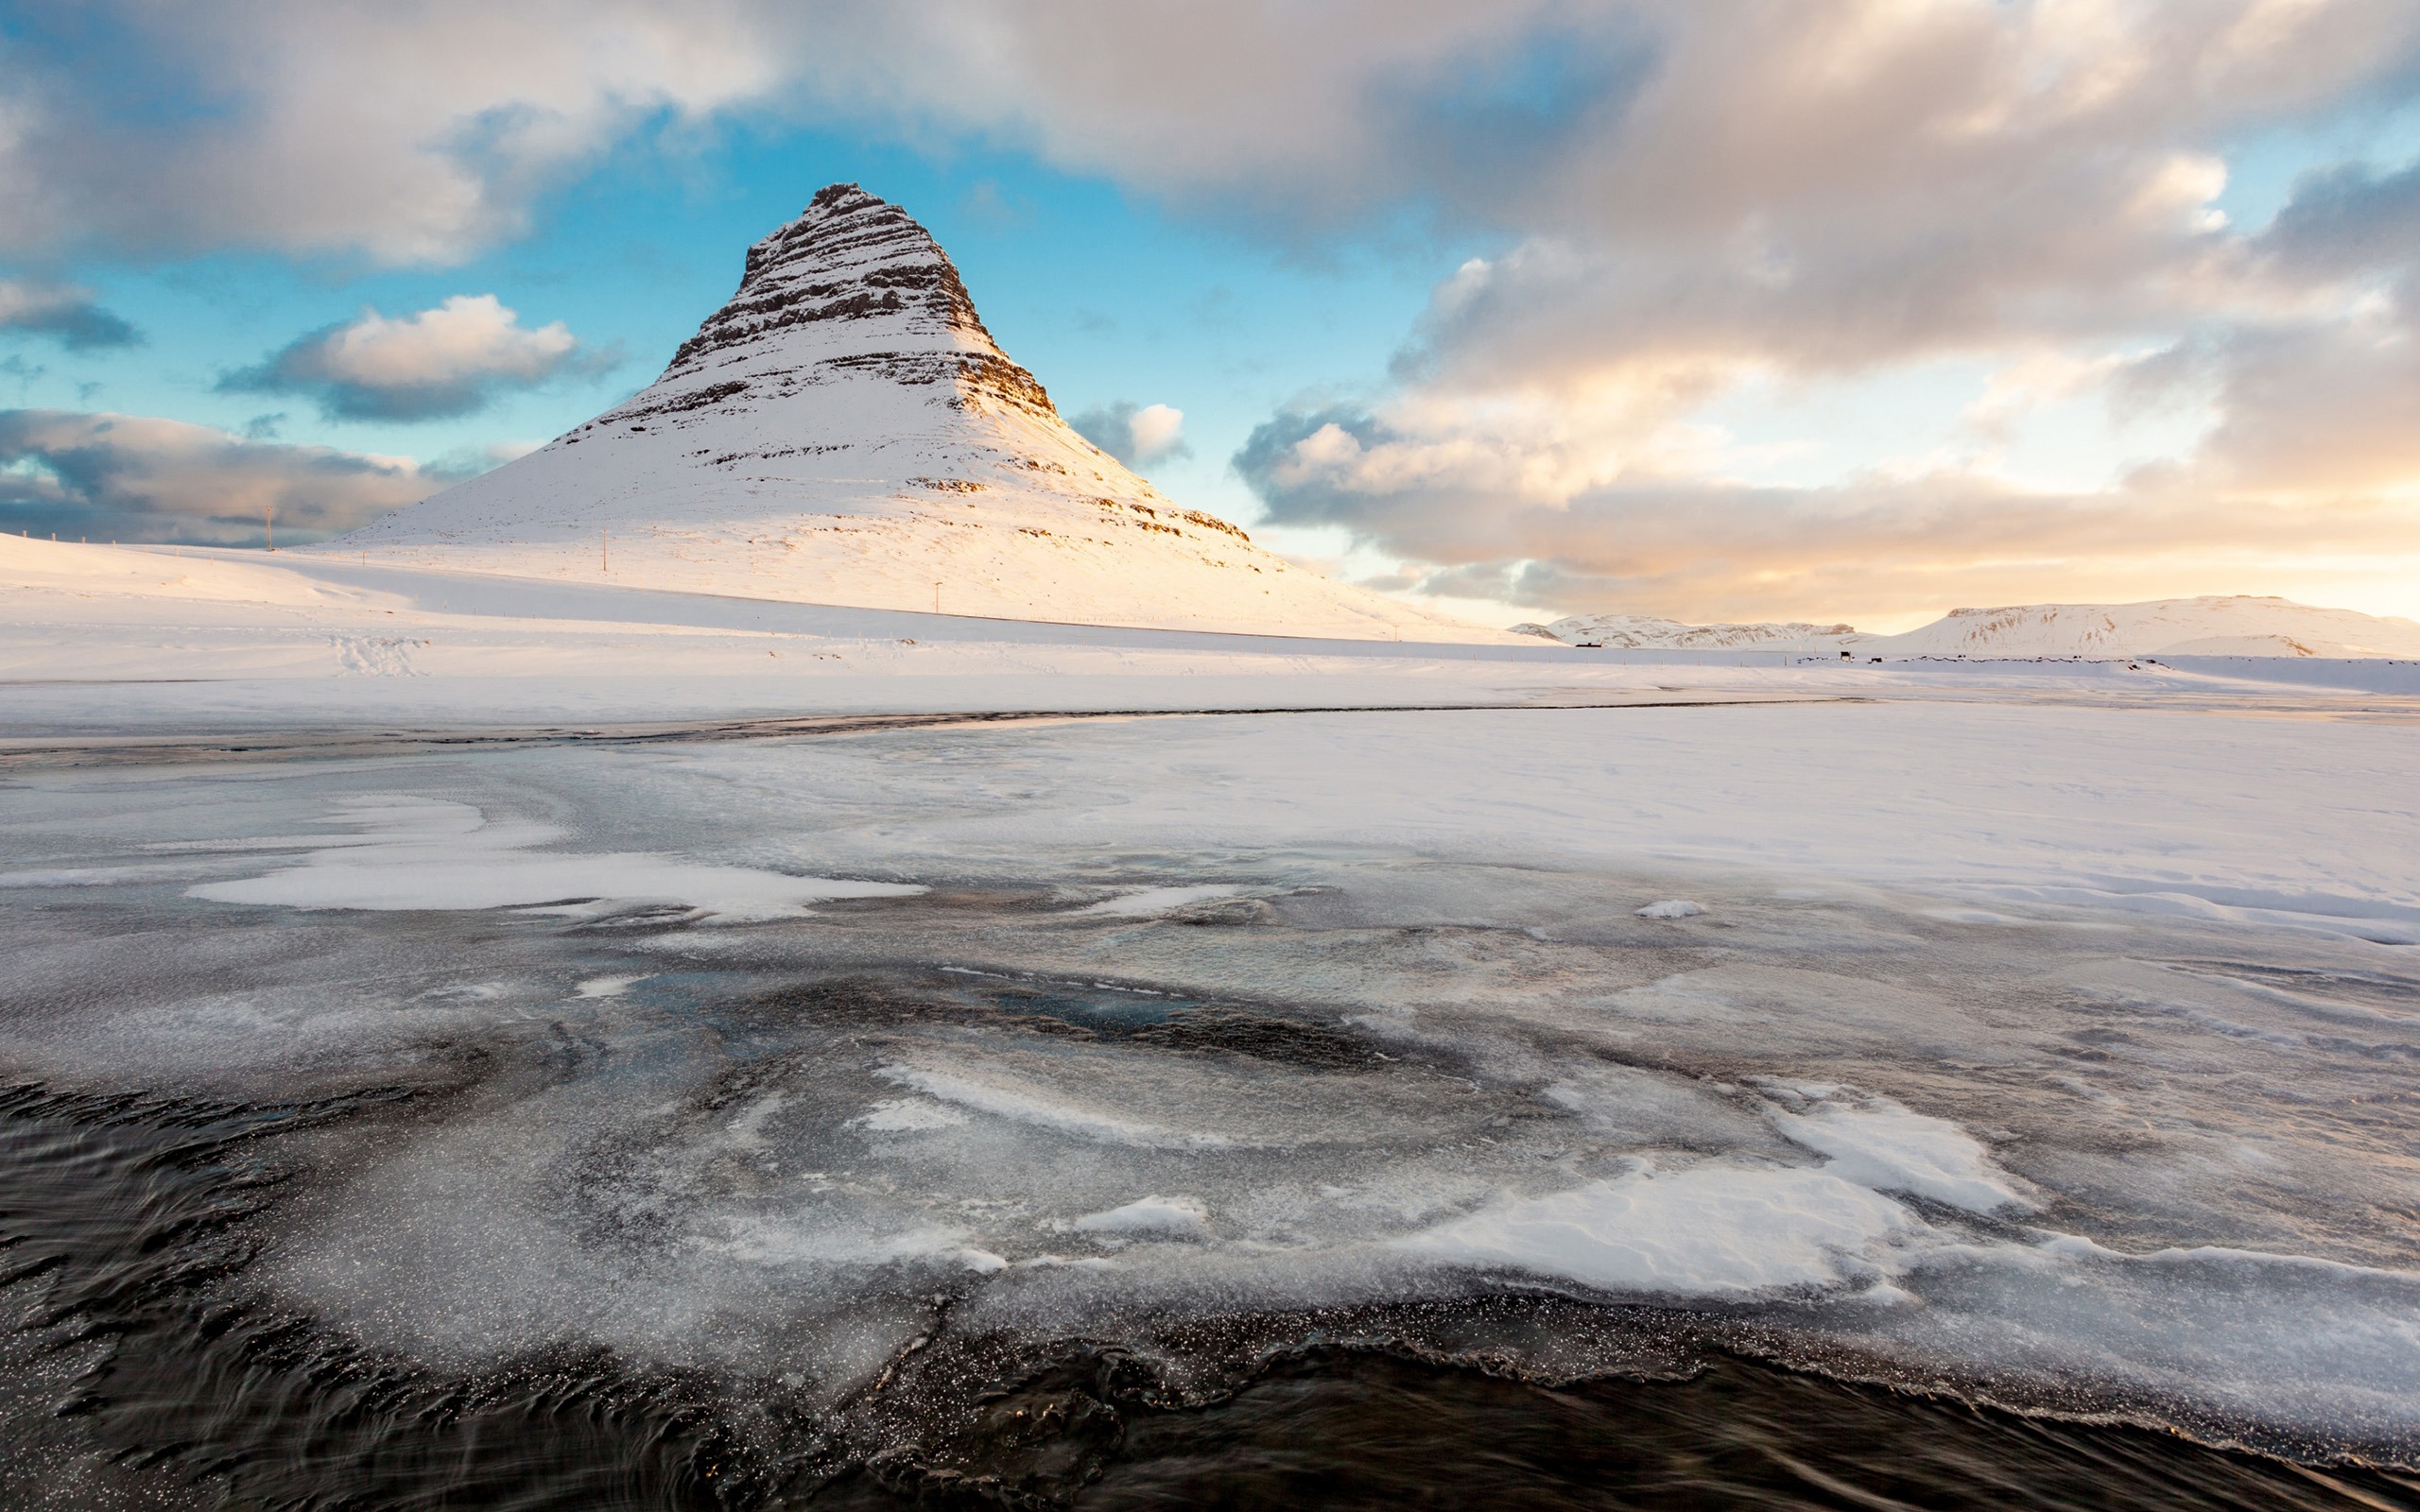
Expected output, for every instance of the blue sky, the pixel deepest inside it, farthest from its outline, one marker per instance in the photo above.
(1719, 310)
(1105, 297)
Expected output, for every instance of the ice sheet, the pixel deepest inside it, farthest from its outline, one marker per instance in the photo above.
(1709, 1231)
(1875, 1143)
(1156, 1217)
(412, 852)
(1422, 1047)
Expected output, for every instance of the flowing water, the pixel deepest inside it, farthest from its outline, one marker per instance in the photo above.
(779, 1125)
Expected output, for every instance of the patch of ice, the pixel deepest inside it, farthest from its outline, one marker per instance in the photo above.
(1175, 1217)
(1709, 1231)
(429, 853)
(904, 1115)
(1022, 1104)
(2282, 1339)
(470, 991)
(606, 987)
(747, 1131)
(1148, 900)
(758, 1241)
(1879, 1143)
(93, 876)
(1671, 909)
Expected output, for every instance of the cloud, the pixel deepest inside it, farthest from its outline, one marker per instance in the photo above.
(1748, 143)
(414, 132)
(1676, 204)
(2308, 474)
(1137, 436)
(64, 312)
(131, 477)
(422, 132)
(2347, 219)
(1818, 202)
(2314, 409)
(434, 365)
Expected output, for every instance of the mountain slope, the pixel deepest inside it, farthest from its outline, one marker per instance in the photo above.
(2211, 626)
(845, 431)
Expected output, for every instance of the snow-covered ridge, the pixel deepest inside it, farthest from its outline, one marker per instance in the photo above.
(2211, 626)
(845, 431)
(1644, 632)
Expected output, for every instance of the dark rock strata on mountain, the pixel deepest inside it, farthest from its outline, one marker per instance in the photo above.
(853, 257)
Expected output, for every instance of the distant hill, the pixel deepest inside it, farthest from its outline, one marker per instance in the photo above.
(845, 431)
(2211, 626)
(1640, 632)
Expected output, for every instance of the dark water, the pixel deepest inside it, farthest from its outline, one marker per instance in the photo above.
(144, 1371)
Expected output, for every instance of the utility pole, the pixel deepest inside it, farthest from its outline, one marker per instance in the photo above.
(268, 524)
(936, 597)
(604, 556)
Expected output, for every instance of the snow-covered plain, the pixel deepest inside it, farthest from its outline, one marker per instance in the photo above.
(168, 641)
(2042, 1030)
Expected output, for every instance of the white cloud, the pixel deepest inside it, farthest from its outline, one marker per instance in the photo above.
(2034, 379)
(1157, 431)
(132, 477)
(442, 362)
(1136, 435)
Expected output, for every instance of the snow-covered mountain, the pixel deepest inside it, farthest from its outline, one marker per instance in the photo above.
(1642, 632)
(2212, 626)
(845, 431)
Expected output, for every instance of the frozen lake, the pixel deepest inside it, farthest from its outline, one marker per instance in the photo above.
(2056, 1058)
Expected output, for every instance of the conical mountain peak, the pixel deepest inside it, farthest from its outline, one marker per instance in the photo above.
(843, 430)
(856, 277)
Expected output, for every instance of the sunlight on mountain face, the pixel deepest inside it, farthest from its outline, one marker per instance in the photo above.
(845, 431)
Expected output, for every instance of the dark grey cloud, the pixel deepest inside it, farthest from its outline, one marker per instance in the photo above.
(133, 477)
(2350, 218)
(65, 313)
(414, 133)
